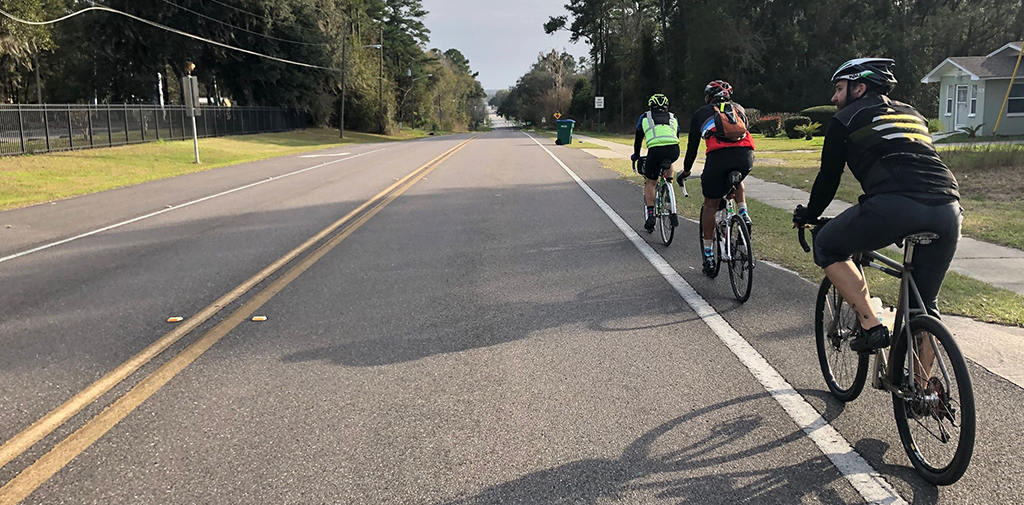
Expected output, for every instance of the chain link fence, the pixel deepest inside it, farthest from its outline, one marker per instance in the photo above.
(26, 129)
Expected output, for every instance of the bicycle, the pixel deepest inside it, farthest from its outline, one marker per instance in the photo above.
(732, 242)
(932, 409)
(664, 200)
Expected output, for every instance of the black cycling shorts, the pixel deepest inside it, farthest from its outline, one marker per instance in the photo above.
(714, 180)
(655, 155)
(886, 218)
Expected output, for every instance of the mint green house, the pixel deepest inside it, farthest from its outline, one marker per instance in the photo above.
(972, 89)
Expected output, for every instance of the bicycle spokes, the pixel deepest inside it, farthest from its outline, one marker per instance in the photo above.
(933, 401)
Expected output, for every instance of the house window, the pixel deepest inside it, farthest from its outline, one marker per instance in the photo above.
(949, 100)
(974, 99)
(1016, 102)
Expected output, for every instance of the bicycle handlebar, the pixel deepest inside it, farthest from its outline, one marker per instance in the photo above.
(817, 223)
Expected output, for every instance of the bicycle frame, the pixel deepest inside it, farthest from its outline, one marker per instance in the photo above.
(663, 181)
(904, 271)
(722, 216)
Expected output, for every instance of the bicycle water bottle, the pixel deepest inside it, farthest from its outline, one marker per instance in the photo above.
(876, 307)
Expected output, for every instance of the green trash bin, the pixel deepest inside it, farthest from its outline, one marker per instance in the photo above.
(565, 127)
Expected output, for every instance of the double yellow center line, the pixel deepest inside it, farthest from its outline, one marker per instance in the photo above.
(53, 461)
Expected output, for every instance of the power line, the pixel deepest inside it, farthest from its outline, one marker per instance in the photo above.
(240, 28)
(166, 28)
(253, 14)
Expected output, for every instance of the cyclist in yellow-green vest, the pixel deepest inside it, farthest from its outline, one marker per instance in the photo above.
(659, 128)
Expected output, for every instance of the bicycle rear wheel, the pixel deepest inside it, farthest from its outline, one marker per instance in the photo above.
(835, 324)
(741, 263)
(935, 415)
(664, 211)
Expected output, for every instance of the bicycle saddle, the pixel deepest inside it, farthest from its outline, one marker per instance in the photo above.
(735, 177)
(923, 238)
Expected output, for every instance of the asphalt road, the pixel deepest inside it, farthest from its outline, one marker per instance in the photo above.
(488, 336)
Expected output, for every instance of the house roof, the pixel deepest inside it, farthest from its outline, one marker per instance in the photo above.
(1011, 48)
(979, 68)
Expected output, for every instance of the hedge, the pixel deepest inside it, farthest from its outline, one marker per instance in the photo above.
(792, 122)
(820, 114)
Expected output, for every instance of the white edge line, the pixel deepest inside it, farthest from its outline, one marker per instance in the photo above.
(176, 207)
(864, 479)
(323, 155)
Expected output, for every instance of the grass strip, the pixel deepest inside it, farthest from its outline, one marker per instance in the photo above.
(775, 240)
(773, 144)
(30, 179)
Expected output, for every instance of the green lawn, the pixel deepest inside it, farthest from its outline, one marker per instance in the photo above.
(962, 137)
(775, 240)
(761, 142)
(30, 179)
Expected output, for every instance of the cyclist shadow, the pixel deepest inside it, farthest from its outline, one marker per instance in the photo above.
(875, 450)
(702, 471)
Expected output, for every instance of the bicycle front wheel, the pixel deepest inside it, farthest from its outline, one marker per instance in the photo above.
(665, 214)
(934, 408)
(835, 324)
(741, 263)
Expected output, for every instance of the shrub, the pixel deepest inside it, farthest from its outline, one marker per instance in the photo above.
(768, 125)
(753, 115)
(792, 122)
(820, 114)
(972, 131)
(808, 130)
(934, 125)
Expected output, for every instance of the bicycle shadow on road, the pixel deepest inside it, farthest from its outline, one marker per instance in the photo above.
(706, 470)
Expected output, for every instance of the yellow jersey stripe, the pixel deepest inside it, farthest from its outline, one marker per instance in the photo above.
(898, 117)
(912, 136)
(908, 126)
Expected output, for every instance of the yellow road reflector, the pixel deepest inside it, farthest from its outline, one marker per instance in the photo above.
(259, 318)
(175, 319)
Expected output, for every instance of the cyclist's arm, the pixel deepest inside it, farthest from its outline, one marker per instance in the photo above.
(833, 160)
(692, 144)
(638, 139)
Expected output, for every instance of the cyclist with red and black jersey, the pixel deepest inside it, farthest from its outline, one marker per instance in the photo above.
(723, 156)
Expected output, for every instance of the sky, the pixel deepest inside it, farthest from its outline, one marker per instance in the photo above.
(501, 38)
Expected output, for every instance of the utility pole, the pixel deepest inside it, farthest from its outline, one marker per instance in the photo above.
(39, 86)
(380, 78)
(344, 46)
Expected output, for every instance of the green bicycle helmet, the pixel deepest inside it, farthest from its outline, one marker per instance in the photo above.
(658, 101)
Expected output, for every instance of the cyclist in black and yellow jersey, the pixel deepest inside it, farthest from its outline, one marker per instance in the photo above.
(660, 129)
(907, 189)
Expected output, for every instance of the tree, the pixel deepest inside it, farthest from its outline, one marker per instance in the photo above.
(498, 98)
(110, 58)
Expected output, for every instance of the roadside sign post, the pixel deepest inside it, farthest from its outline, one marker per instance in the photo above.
(598, 104)
(190, 92)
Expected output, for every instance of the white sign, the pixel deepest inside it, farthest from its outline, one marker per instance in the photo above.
(598, 102)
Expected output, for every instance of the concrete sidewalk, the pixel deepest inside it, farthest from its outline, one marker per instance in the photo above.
(998, 348)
